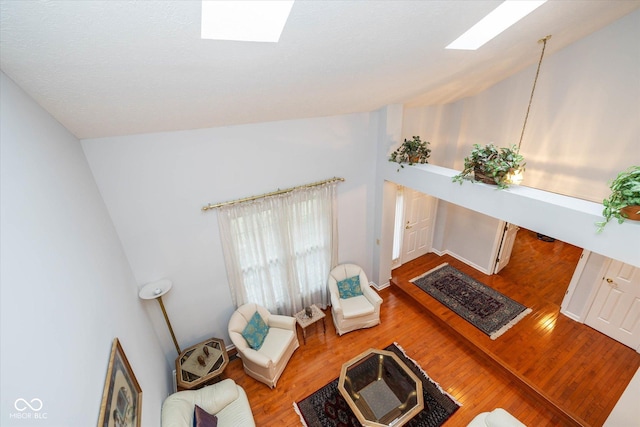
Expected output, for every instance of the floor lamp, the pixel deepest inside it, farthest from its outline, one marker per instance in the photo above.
(155, 290)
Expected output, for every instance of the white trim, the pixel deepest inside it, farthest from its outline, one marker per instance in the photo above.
(497, 244)
(594, 291)
(572, 316)
(466, 261)
(575, 279)
(444, 264)
(380, 287)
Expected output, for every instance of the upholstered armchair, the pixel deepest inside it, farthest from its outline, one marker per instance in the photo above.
(265, 361)
(496, 418)
(354, 304)
(225, 399)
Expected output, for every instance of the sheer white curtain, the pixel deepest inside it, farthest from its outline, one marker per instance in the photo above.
(279, 250)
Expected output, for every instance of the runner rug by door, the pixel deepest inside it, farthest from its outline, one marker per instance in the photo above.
(327, 408)
(483, 307)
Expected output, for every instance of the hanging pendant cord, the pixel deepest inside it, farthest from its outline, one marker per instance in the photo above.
(535, 80)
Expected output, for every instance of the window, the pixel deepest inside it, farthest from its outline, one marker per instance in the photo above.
(279, 250)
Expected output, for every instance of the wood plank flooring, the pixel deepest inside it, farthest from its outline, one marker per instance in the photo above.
(451, 363)
(581, 369)
(568, 365)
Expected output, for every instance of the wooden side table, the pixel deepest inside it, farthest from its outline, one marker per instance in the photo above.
(304, 321)
(200, 364)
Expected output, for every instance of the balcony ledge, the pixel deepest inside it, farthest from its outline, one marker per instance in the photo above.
(565, 218)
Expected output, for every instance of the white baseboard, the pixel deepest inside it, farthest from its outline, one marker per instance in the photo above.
(380, 287)
(466, 261)
(571, 316)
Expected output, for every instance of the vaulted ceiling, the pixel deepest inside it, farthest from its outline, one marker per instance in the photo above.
(105, 68)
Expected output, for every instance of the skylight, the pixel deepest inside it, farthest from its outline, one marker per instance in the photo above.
(504, 16)
(252, 21)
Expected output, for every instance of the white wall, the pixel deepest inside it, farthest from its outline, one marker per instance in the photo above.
(387, 134)
(466, 235)
(583, 128)
(154, 186)
(627, 411)
(66, 287)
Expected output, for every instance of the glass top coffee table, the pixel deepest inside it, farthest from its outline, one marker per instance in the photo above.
(380, 389)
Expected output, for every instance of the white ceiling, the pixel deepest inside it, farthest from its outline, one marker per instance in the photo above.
(105, 68)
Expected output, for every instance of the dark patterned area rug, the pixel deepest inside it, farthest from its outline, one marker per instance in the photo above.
(483, 307)
(327, 408)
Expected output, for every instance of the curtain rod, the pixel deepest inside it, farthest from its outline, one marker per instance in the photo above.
(273, 193)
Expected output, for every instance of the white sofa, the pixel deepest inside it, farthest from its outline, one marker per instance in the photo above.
(226, 400)
(496, 418)
(268, 362)
(358, 312)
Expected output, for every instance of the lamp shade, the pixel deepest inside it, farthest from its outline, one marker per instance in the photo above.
(154, 290)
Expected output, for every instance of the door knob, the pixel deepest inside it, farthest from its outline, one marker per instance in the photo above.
(612, 283)
(406, 227)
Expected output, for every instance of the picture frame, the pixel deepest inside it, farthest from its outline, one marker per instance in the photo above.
(122, 396)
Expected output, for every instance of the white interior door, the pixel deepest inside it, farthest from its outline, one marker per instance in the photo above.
(506, 246)
(419, 211)
(616, 307)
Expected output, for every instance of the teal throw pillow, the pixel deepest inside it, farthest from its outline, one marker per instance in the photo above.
(255, 331)
(349, 287)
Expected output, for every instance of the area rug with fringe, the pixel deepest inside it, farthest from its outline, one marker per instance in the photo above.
(485, 308)
(327, 408)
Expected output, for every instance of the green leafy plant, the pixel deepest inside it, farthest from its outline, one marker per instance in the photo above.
(411, 151)
(625, 192)
(491, 165)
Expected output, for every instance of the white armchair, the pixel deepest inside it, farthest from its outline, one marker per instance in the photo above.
(357, 312)
(496, 418)
(267, 363)
(225, 399)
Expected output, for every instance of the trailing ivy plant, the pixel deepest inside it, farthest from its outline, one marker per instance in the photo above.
(411, 151)
(491, 164)
(625, 191)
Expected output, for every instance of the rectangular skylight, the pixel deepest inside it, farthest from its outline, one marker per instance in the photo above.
(504, 16)
(252, 21)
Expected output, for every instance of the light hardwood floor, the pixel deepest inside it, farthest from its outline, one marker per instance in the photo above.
(454, 365)
(545, 357)
(566, 365)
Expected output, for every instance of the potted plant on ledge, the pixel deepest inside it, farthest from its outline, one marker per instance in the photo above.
(492, 165)
(411, 152)
(624, 201)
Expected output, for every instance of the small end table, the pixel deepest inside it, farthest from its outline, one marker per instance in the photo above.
(200, 364)
(304, 321)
